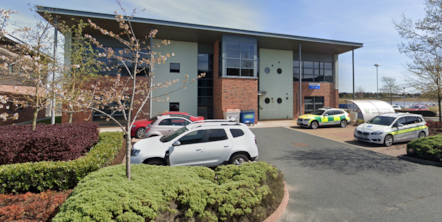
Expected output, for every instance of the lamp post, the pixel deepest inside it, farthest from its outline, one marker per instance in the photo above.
(377, 82)
(404, 97)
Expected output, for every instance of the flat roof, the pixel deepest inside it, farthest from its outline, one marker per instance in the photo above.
(202, 33)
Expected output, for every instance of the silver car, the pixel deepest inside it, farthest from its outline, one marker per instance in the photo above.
(389, 128)
(166, 124)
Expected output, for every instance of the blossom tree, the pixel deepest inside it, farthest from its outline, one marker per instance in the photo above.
(130, 93)
(32, 64)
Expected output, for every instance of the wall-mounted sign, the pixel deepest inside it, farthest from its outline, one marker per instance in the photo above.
(314, 85)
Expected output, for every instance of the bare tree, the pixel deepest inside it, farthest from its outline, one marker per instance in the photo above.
(360, 92)
(423, 45)
(390, 88)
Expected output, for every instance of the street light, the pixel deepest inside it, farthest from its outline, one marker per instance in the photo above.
(377, 82)
(404, 97)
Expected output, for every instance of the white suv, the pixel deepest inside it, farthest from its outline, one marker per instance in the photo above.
(203, 144)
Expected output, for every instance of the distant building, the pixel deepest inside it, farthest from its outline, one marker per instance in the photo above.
(14, 87)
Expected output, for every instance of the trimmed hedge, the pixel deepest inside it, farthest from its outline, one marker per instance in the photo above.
(20, 144)
(426, 147)
(30, 206)
(59, 175)
(249, 192)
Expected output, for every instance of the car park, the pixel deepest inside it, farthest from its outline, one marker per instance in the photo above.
(324, 116)
(390, 128)
(418, 107)
(202, 144)
(139, 127)
(397, 107)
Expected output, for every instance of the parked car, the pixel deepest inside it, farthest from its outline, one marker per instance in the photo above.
(397, 107)
(139, 127)
(324, 116)
(203, 144)
(418, 107)
(390, 128)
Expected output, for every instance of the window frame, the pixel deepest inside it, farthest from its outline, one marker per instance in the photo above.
(174, 70)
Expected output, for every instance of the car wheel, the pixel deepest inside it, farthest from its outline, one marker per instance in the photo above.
(238, 159)
(388, 141)
(421, 134)
(140, 132)
(156, 162)
(343, 123)
(314, 125)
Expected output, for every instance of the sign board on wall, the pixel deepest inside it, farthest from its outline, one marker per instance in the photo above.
(314, 85)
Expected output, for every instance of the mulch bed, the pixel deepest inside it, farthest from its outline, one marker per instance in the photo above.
(120, 155)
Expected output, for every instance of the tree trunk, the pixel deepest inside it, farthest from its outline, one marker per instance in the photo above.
(34, 118)
(128, 149)
(439, 103)
(70, 117)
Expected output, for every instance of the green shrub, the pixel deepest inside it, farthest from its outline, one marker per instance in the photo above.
(162, 193)
(426, 147)
(59, 175)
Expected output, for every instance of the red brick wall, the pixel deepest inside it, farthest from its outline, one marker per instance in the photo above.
(232, 93)
(86, 116)
(217, 84)
(240, 94)
(26, 114)
(327, 90)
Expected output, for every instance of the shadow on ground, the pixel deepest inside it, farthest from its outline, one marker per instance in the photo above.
(347, 161)
(373, 145)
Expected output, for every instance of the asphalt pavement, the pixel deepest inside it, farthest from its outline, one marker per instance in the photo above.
(332, 181)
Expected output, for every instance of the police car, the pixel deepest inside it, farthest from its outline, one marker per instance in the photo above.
(390, 128)
(324, 116)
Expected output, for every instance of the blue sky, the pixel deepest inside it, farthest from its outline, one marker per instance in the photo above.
(365, 21)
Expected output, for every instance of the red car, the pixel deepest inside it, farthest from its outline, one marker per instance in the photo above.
(418, 107)
(139, 126)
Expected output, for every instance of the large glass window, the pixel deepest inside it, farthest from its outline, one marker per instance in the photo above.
(311, 104)
(117, 67)
(239, 58)
(313, 71)
(205, 86)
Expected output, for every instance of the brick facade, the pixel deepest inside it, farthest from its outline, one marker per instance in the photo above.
(86, 116)
(232, 93)
(327, 90)
(26, 114)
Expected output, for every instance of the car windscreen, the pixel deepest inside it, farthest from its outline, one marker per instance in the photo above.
(318, 112)
(382, 120)
(173, 135)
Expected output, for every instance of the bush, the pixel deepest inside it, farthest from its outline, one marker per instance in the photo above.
(29, 206)
(426, 147)
(249, 192)
(59, 175)
(19, 144)
(434, 127)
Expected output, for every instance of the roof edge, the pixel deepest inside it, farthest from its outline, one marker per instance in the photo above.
(42, 9)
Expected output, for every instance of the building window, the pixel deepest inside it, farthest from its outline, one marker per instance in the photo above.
(313, 71)
(205, 86)
(174, 107)
(240, 58)
(311, 104)
(175, 67)
(117, 67)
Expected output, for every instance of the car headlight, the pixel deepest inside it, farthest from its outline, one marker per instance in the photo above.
(377, 133)
(135, 152)
(133, 126)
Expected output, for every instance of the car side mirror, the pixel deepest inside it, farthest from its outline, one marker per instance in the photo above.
(399, 125)
(176, 143)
